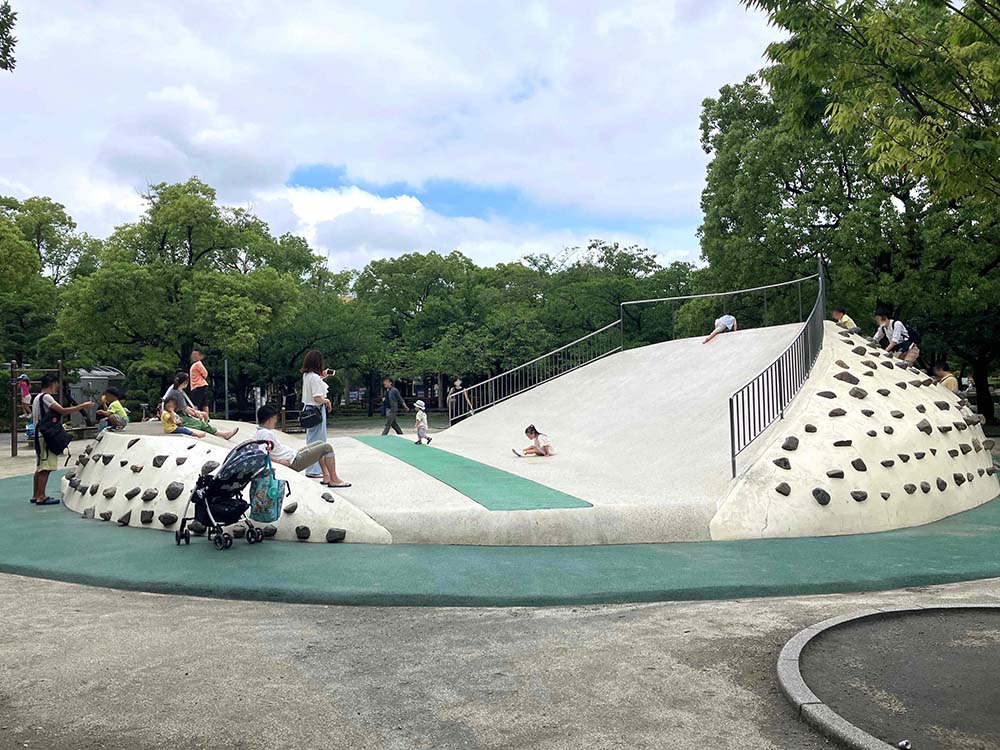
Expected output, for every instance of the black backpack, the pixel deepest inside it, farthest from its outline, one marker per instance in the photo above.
(50, 428)
(914, 334)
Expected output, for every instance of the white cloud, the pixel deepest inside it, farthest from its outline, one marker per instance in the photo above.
(574, 103)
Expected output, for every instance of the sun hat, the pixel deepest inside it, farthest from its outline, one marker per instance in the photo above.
(23, 376)
(420, 404)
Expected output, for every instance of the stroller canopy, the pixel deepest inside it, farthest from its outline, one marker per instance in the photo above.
(241, 466)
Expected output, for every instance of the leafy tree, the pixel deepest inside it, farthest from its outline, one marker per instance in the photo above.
(52, 233)
(920, 79)
(7, 39)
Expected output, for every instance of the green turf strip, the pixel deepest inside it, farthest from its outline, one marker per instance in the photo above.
(492, 488)
(52, 542)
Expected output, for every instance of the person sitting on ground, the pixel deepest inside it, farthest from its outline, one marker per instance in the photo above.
(47, 461)
(114, 416)
(190, 416)
(267, 420)
(173, 423)
(24, 386)
(945, 376)
(897, 337)
(844, 320)
(421, 422)
(722, 325)
(540, 444)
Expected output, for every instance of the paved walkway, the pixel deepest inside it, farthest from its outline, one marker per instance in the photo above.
(927, 677)
(52, 542)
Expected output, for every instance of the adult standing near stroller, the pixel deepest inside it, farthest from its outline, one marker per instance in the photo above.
(393, 403)
(315, 403)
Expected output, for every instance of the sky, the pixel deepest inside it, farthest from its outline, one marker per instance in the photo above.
(374, 129)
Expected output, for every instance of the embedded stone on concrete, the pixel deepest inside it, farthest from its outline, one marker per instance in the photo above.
(158, 461)
(859, 495)
(167, 519)
(822, 496)
(132, 493)
(110, 492)
(146, 516)
(790, 444)
(125, 518)
(302, 532)
(150, 494)
(781, 463)
(174, 490)
(336, 535)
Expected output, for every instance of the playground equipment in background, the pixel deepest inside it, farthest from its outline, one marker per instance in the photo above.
(15, 394)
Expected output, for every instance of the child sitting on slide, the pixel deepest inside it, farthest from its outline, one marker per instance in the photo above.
(540, 444)
(172, 422)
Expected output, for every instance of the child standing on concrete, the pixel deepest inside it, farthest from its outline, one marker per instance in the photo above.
(421, 423)
(24, 386)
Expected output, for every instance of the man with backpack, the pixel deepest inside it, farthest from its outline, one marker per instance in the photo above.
(899, 339)
(50, 437)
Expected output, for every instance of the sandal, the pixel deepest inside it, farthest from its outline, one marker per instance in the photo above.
(48, 501)
(333, 486)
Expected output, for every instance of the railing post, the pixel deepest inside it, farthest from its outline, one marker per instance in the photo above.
(732, 437)
(781, 385)
(13, 410)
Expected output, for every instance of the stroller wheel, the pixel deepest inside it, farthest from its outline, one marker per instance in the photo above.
(227, 541)
(218, 541)
(177, 538)
(187, 537)
(258, 535)
(251, 536)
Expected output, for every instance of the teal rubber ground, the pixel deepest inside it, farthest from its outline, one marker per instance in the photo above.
(492, 488)
(51, 542)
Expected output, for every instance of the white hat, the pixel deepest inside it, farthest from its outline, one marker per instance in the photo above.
(420, 405)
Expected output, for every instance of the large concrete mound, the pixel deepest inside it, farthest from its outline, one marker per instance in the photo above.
(142, 478)
(869, 444)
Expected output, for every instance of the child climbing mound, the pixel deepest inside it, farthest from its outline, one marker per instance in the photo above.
(421, 424)
(540, 444)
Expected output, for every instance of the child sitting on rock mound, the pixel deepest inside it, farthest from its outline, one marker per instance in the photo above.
(114, 416)
(172, 422)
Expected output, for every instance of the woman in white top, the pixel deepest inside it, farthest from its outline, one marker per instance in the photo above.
(540, 444)
(314, 390)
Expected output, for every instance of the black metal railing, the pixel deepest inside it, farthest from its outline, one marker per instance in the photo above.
(763, 400)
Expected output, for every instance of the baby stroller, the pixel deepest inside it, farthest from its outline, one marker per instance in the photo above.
(218, 499)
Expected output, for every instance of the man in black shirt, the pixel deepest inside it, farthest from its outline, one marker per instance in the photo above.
(393, 403)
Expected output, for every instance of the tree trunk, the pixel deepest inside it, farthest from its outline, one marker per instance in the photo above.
(441, 401)
(981, 379)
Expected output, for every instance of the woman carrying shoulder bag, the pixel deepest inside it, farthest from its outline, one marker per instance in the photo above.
(315, 403)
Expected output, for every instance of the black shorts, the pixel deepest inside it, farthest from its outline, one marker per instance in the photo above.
(199, 397)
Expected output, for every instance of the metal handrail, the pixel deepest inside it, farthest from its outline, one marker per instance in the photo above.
(524, 377)
(719, 294)
(762, 401)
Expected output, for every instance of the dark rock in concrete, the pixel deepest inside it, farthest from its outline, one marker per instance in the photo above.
(886, 364)
(150, 494)
(167, 519)
(846, 377)
(838, 412)
(302, 532)
(942, 405)
(959, 478)
(885, 495)
(901, 385)
(888, 430)
(945, 428)
(74, 483)
(328, 497)
(859, 350)
(973, 420)
(335, 535)
(887, 463)
(822, 496)
(868, 373)
(842, 363)
(916, 383)
(969, 476)
(293, 506)
(941, 484)
(919, 455)
(901, 365)
(105, 515)
(924, 426)
(991, 470)
(933, 451)
(883, 391)
(868, 412)
(868, 363)
(158, 461)
(871, 433)
(827, 394)
(783, 489)
(208, 467)
(953, 452)
(123, 463)
(982, 471)
(69, 475)
(181, 460)
(269, 530)
(146, 516)
(965, 448)
(896, 414)
(197, 527)
(125, 518)
(174, 490)
(89, 449)
(921, 408)
(132, 442)
(859, 495)
(835, 473)
(911, 488)
(976, 445)
(859, 465)
(132, 493)
(925, 487)
(988, 444)
(83, 460)
(781, 463)
(94, 488)
(960, 426)
(136, 468)
(109, 492)
(810, 428)
(88, 513)
(107, 458)
(842, 443)
(791, 443)
(904, 457)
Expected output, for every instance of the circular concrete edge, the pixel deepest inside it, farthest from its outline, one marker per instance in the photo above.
(808, 706)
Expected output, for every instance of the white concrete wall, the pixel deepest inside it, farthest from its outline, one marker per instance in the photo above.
(897, 493)
(110, 467)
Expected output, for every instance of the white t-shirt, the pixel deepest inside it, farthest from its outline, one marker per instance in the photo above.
(894, 332)
(36, 406)
(726, 321)
(541, 442)
(280, 451)
(421, 418)
(313, 385)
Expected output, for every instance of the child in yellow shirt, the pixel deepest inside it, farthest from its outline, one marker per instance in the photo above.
(172, 422)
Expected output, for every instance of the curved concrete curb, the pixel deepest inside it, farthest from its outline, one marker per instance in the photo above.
(808, 706)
